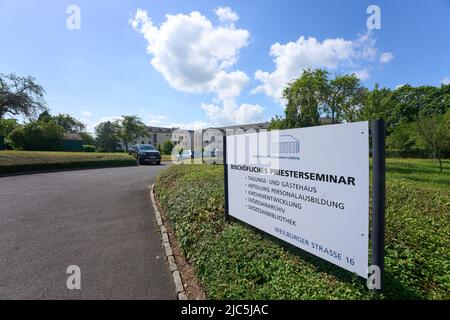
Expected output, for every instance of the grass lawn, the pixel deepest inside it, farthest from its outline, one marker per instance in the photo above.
(22, 161)
(233, 261)
(166, 158)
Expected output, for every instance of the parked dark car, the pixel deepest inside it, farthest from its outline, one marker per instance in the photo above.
(145, 153)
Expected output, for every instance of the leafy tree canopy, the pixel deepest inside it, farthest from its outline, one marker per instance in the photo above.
(131, 128)
(20, 96)
(7, 126)
(37, 135)
(167, 147)
(107, 135)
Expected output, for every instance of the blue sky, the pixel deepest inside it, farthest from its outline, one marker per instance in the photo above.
(213, 67)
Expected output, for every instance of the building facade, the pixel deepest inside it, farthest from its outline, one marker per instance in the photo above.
(158, 135)
(185, 139)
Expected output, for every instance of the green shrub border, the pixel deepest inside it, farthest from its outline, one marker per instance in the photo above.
(66, 165)
(421, 154)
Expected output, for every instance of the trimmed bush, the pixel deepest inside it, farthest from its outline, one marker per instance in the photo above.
(414, 153)
(89, 148)
(25, 161)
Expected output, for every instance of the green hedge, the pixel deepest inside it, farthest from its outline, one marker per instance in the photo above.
(26, 161)
(2, 143)
(421, 154)
(234, 261)
(89, 148)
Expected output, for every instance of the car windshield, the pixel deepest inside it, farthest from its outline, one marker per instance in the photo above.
(147, 148)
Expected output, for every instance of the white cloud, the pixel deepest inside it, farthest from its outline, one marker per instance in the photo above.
(109, 118)
(293, 57)
(86, 114)
(154, 119)
(194, 56)
(229, 85)
(362, 74)
(231, 113)
(225, 14)
(445, 81)
(386, 57)
(90, 125)
(189, 51)
(399, 86)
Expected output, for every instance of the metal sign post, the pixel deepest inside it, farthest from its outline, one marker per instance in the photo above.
(225, 175)
(378, 197)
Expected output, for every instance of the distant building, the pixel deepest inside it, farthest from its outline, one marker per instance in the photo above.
(158, 135)
(245, 127)
(72, 142)
(185, 138)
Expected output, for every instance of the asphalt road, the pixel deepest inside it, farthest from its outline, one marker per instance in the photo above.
(100, 220)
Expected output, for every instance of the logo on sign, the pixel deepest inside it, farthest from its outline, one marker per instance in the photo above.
(286, 145)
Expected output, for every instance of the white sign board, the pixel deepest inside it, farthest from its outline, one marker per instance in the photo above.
(306, 186)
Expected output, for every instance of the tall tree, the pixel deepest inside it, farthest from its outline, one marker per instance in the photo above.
(20, 96)
(66, 121)
(87, 138)
(376, 104)
(7, 126)
(37, 135)
(433, 133)
(314, 93)
(343, 98)
(107, 138)
(303, 99)
(131, 128)
(69, 123)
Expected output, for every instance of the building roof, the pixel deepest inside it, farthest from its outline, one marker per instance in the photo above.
(159, 129)
(260, 125)
(72, 137)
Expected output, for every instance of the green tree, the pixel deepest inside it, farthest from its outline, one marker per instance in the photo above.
(87, 138)
(342, 98)
(376, 104)
(314, 93)
(131, 128)
(402, 137)
(20, 96)
(37, 135)
(433, 133)
(69, 123)
(7, 126)
(66, 121)
(277, 122)
(107, 135)
(303, 100)
(167, 147)
(407, 104)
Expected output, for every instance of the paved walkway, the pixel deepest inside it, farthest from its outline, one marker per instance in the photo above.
(101, 220)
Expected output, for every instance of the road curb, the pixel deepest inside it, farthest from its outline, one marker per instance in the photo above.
(179, 287)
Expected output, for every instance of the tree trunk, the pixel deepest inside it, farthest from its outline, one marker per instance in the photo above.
(126, 146)
(440, 163)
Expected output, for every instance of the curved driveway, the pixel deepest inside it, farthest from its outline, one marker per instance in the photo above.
(101, 220)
